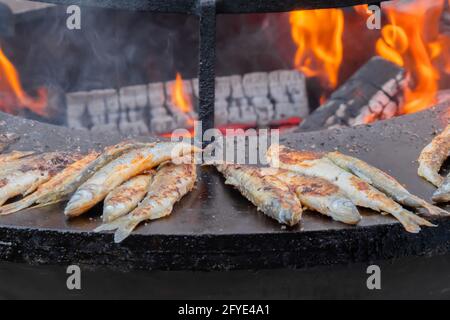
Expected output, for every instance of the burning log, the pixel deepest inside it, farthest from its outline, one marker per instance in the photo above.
(374, 92)
(256, 99)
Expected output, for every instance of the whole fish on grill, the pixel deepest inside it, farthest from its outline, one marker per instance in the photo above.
(322, 196)
(122, 169)
(126, 197)
(443, 192)
(7, 139)
(433, 157)
(55, 190)
(14, 155)
(67, 182)
(360, 192)
(170, 184)
(108, 155)
(29, 177)
(268, 193)
(16, 164)
(383, 182)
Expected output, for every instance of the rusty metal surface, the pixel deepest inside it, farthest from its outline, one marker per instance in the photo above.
(215, 228)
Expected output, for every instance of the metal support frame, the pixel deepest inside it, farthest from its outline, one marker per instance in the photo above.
(207, 59)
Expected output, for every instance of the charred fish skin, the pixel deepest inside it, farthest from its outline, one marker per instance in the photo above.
(360, 192)
(442, 195)
(268, 193)
(170, 184)
(383, 182)
(29, 177)
(126, 197)
(322, 196)
(54, 190)
(122, 169)
(433, 156)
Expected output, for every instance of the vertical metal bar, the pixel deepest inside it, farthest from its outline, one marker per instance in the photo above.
(207, 60)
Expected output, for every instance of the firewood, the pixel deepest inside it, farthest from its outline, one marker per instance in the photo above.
(375, 90)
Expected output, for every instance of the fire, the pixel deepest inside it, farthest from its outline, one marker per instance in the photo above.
(318, 36)
(12, 95)
(179, 97)
(362, 9)
(412, 40)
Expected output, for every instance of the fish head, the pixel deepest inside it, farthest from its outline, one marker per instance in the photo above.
(345, 211)
(81, 200)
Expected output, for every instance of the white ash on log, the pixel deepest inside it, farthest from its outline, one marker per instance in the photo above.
(256, 88)
(256, 99)
(374, 92)
(287, 90)
(134, 103)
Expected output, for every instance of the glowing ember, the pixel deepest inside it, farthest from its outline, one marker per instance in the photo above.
(12, 95)
(318, 36)
(412, 40)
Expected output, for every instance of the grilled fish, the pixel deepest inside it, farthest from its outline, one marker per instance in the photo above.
(7, 139)
(68, 181)
(56, 189)
(443, 193)
(322, 196)
(433, 156)
(383, 182)
(108, 155)
(29, 177)
(126, 197)
(15, 165)
(361, 193)
(120, 170)
(170, 184)
(268, 193)
(14, 155)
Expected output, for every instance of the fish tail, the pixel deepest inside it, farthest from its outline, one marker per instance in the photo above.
(419, 220)
(48, 203)
(408, 222)
(110, 226)
(19, 205)
(125, 230)
(434, 210)
(123, 226)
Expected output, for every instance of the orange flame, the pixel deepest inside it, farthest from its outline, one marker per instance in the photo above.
(318, 36)
(412, 40)
(12, 95)
(179, 97)
(362, 10)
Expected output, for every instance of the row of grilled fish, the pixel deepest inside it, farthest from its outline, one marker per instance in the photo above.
(430, 162)
(141, 181)
(332, 184)
(122, 176)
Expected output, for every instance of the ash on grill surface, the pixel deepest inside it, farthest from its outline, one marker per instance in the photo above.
(215, 228)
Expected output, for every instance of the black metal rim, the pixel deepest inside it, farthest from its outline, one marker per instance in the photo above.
(223, 6)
